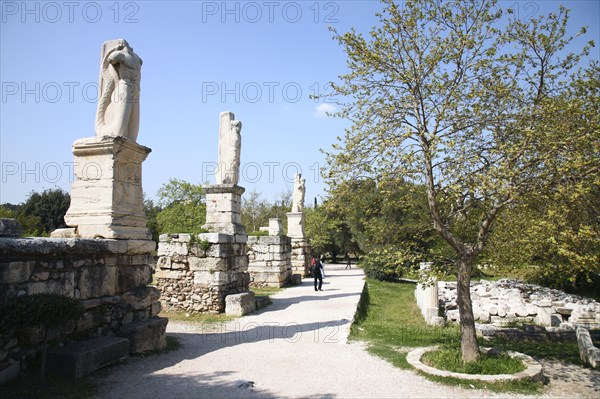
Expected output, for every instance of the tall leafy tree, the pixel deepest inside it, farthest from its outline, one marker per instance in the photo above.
(47, 209)
(447, 94)
(183, 207)
(557, 230)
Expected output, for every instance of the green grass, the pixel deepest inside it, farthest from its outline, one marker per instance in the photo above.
(564, 351)
(265, 291)
(389, 320)
(450, 359)
(524, 387)
(198, 318)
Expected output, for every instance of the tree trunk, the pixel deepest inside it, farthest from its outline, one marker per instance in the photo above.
(468, 336)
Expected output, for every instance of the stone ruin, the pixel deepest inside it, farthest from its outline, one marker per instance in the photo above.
(505, 301)
(104, 257)
(270, 257)
(197, 272)
(301, 250)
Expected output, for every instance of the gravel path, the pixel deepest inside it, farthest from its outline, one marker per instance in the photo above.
(296, 347)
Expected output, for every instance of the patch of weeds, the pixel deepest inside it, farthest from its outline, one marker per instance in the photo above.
(198, 318)
(393, 355)
(265, 291)
(524, 386)
(450, 359)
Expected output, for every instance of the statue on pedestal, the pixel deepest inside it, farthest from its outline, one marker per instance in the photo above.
(230, 143)
(118, 111)
(299, 191)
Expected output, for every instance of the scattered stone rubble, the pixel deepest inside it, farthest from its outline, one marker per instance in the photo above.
(507, 301)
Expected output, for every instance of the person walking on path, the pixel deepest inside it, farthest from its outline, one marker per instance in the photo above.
(348, 264)
(318, 274)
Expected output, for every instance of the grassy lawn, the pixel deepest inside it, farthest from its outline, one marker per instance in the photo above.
(392, 325)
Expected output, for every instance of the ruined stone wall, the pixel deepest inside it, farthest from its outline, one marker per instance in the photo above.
(270, 260)
(505, 301)
(109, 276)
(195, 272)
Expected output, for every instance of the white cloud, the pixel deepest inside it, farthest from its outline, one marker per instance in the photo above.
(322, 110)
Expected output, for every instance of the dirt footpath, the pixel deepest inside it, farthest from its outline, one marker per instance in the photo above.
(296, 347)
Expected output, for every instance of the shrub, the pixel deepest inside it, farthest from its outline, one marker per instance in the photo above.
(46, 311)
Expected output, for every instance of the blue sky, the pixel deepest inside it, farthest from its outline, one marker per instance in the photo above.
(261, 60)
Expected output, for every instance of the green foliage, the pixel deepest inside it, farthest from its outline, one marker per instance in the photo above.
(448, 95)
(41, 213)
(558, 230)
(392, 325)
(152, 210)
(48, 311)
(327, 232)
(53, 388)
(258, 233)
(449, 359)
(182, 208)
(388, 264)
(45, 311)
(256, 212)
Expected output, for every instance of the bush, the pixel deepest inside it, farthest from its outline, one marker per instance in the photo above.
(388, 264)
(582, 283)
(45, 311)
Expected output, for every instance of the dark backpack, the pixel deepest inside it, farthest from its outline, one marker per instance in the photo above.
(316, 267)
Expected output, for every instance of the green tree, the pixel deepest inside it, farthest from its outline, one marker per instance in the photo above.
(327, 232)
(558, 230)
(256, 212)
(151, 211)
(447, 94)
(389, 222)
(183, 208)
(44, 212)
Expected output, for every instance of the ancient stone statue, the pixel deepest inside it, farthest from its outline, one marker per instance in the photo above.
(299, 191)
(118, 111)
(230, 143)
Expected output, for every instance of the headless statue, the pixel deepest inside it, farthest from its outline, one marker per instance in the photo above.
(118, 111)
(230, 143)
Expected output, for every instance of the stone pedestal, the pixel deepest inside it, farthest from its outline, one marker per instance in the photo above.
(300, 245)
(106, 196)
(295, 224)
(269, 260)
(301, 252)
(224, 208)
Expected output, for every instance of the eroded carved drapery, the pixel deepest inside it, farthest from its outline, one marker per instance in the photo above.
(298, 196)
(230, 143)
(118, 111)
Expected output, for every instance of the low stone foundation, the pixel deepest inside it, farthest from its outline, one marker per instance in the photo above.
(270, 260)
(195, 272)
(506, 301)
(108, 276)
(301, 253)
